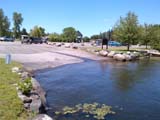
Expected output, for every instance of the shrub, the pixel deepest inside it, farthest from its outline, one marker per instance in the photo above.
(25, 86)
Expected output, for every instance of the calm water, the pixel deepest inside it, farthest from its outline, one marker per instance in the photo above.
(132, 89)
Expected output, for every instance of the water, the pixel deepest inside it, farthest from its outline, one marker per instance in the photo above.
(131, 88)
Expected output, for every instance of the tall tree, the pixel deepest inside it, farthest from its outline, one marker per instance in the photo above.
(69, 34)
(155, 41)
(37, 31)
(17, 22)
(24, 32)
(147, 34)
(126, 30)
(4, 24)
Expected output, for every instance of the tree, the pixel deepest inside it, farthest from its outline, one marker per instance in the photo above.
(4, 24)
(17, 22)
(69, 34)
(95, 36)
(127, 30)
(86, 39)
(54, 37)
(155, 41)
(147, 34)
(24, 32)
(37, 32)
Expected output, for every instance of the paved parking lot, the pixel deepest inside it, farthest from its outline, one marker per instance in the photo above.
(39, 56)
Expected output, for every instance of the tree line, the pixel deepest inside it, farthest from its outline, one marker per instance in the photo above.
(127, 30)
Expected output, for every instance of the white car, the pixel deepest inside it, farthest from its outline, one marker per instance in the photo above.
(9, 39)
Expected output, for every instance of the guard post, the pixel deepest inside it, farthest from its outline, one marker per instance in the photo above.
(8, 59)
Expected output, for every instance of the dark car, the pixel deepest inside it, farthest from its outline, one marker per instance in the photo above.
(36, 40)
(29, 40)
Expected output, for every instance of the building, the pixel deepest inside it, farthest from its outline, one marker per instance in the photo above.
(79, 37)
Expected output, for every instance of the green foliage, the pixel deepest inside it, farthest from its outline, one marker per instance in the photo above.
(17, 22)
(24, 32)
(4, 24)
(86, 39)
(54, 37)
(25, 86)
(11, 107)
(96, 110)
(155, 41)
(95, 37)
(69, 34)
(127, 30)
(37, 32)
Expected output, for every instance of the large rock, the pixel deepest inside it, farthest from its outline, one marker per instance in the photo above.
(24, 98)
(15, 69)
(24, 75)
(42, 117)
(119, 57)
(75, 47)
(39, 90)
(36, 103)
(67, 45)
(103, 53)
(58, 44)
(111, 54)
(128, 57)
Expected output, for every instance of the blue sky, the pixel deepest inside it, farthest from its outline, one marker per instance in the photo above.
(88, 16)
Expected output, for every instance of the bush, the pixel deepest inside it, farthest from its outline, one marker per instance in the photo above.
(25, 86)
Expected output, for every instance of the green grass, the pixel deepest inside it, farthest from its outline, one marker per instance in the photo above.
(11, 107)
(118, 49)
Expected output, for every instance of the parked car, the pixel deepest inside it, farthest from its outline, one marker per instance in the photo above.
(8, 39)
(36, 40)
(114, 43)
(25, 39)
(29, 40)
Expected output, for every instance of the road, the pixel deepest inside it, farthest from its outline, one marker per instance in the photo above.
(40, 56)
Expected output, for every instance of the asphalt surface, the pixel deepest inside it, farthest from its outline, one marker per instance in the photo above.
(41, 56)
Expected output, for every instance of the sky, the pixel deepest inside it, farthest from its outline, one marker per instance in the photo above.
(88, 16)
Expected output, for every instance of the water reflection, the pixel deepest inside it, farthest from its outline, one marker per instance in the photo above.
(126, 74)
(134, 86)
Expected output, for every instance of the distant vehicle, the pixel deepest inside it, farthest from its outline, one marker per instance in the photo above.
(36, 40)
(25, 39)
(29, 40)
(8, 39)
(114, 43)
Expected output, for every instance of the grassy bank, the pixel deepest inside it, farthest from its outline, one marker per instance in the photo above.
(11, 107)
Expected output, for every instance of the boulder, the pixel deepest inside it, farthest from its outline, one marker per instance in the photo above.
(36, 103)
(75, 47)
(128, 57)
(111, 54)
(103, 53)
(39, 90)
(24, 75)
(67, 45)
(24, 98)
(119, 57)
(58, 44)
(42, 117)
(15, 69)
